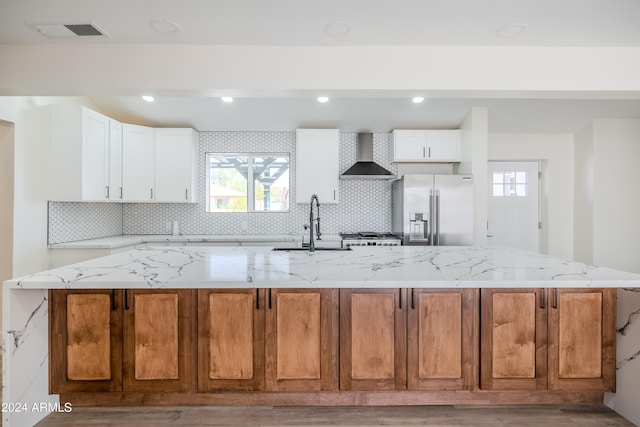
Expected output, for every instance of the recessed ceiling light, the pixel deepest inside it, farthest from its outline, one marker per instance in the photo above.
(417, 99)
(323, 99)
(511, 30)
(148, 98)
(164, 26)
(227, 99)
(337, 29)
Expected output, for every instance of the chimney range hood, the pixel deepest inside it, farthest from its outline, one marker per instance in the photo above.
(365, 167)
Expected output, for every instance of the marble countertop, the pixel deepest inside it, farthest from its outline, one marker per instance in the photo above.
(129, 240)
(362, 267)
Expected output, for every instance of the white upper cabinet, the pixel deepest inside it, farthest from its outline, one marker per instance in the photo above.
(115, 161)
(175, 165)
(426, 145)
(138, 163)
(317, 152)
(79, 153)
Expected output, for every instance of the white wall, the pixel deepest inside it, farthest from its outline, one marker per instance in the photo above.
(583, 194)
(616, 209)
(608, 213)
(286, 70)
(6, 201)
(556, 155)
(474, 129)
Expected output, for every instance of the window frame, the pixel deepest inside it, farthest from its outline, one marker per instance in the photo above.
(251, 197)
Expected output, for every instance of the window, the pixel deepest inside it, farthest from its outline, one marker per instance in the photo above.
(508, 184)
(247, 182)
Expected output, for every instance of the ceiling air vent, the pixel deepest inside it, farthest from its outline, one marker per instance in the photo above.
(69, 30)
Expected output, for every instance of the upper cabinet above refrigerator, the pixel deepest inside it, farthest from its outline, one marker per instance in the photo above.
(426, 145)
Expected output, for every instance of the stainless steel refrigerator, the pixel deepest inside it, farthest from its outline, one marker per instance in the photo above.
(435, 210)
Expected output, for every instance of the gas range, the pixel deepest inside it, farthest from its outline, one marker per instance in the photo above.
(367, 238)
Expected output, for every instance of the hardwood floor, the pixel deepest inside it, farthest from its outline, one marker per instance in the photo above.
(556, 416)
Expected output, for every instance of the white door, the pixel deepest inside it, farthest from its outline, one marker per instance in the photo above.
(513, 212)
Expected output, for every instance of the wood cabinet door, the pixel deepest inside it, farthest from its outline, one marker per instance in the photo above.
(582, 339)
(301, 340)
(231, 339)
(513, 339)
(440, 339)
(373, 339)
(157, 340)
(85, 346)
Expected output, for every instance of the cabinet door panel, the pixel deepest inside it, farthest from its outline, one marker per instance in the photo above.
(157, 355)
(514, 335)
(443, 145)
(298, 341)
(231, 336)
(156, 336)
(174, 154)
(230, 339)
(85, 345)
(372, 339)
(95, 155)
(301, 344)
(440, 339)
(138, 165)
(582, 339)
(88, 336)
(513, 339)
(317, 152)
(409, 145)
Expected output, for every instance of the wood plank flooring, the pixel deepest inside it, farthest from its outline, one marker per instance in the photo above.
(534, 415)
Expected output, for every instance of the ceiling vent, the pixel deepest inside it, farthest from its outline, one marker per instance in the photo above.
(69, 30)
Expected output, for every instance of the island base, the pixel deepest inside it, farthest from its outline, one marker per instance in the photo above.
(347, 398)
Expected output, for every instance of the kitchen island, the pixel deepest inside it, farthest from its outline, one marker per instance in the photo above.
(339, 290)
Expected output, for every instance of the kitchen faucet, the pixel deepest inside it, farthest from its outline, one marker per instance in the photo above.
(312, 246)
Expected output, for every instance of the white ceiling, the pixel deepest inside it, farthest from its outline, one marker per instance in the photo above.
(554, 23)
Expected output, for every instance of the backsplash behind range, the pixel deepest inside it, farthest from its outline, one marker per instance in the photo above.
(364, 205)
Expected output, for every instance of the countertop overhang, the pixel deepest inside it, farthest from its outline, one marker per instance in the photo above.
(362, 267)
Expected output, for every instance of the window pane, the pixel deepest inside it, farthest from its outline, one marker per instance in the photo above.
(521, 177)
(521, 190)
(271, 183)
(497, 178)
(228, 183)
(498, 190)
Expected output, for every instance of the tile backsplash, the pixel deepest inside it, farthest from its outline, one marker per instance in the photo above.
(71, 221)
(363, 205)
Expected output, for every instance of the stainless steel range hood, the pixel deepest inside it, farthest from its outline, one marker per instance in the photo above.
(365, 167)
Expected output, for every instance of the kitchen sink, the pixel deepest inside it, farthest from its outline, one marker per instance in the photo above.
(307, 249)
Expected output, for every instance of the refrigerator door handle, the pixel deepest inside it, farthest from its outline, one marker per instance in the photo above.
(437, 210)
(431, 239)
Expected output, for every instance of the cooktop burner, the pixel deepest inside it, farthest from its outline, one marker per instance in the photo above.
(368, 235)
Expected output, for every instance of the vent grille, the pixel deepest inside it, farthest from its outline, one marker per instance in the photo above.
(84, 30)
(55, 30)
